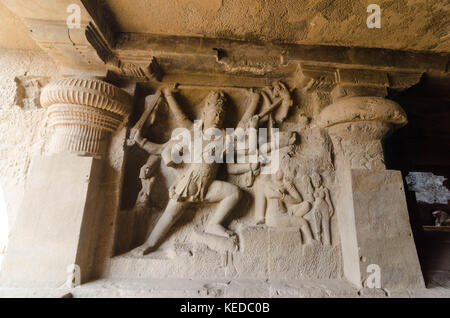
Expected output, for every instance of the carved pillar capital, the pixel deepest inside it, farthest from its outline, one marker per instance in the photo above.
(84, 113)
(357, 126)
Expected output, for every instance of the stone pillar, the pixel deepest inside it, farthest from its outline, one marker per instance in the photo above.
(60, 221)
(371, 209)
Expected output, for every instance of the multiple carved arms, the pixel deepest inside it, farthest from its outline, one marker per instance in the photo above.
(182, 119)
(151, 106)
(148, 118)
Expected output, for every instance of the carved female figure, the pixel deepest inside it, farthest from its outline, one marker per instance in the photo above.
(147, 180)
(322, 210)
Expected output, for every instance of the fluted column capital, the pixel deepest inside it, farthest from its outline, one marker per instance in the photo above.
(83, 113)
(357, 126)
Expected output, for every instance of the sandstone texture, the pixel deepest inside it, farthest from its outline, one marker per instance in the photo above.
(220, 148)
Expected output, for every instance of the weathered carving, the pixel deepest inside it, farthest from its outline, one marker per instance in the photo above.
(272, 195)
(28, 91)
(147, 118)
(279, 90)
(357, 126)
(352, 82)
(314, 77)
(279, 202)
(147, 178)
(83, 113)
(198, 182)
(322, 209)
(275, 190)
(151, 71)
(301, 197)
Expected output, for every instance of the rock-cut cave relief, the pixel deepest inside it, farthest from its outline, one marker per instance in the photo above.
(153, 154)
(238, 194)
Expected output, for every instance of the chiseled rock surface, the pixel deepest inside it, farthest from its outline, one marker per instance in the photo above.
(265, 253)
(143, 288)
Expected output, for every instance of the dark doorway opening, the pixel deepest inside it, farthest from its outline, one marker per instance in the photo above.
(424, 146)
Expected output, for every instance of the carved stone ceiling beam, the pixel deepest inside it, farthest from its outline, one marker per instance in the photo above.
(83, 50)
(99, 46)
(179, 55)
(75, 50)
(278, 54)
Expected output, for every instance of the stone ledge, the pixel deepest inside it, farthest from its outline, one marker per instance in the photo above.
(175, 288)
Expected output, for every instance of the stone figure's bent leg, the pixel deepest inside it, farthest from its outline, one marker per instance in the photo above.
(316, 225)
(299, 211)
(260, 204)
(326, 228)
(171, 214)
(302, 208)
(306, 231)
(228, 196)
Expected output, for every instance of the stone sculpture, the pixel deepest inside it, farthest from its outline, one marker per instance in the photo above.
(74, 196)
(277, 102)
(147, 178)
(198, 184)
(322, 209)
(147, 171)
(278, 203)
(273, 194)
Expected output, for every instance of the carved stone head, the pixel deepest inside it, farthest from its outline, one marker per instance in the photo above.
(316, 179)
(213, 111)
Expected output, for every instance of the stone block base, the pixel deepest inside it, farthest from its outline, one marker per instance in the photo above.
(47, 237)
(265, 253)
(376, 232)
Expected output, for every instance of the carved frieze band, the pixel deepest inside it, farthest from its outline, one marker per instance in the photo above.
(348, 80)
(83, 113)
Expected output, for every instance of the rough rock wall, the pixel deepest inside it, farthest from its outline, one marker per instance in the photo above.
(405, 24)
(22, 119)
(13, 33)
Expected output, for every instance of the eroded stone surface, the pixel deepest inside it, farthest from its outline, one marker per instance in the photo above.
(292, 21)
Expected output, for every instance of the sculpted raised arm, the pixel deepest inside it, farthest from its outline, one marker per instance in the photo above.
(148, 146)
(253, 99)
(294, 196)
(180, 116)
